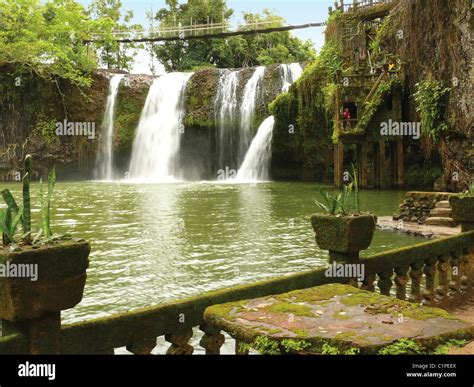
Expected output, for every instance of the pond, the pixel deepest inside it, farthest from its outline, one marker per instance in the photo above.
(153, 243)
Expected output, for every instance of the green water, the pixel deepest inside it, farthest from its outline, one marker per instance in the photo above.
(156, 243)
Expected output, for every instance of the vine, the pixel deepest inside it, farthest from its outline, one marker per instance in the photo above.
(430, 99)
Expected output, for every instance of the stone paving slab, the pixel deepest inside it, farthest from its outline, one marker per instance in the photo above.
(340, 315)
(423, 230)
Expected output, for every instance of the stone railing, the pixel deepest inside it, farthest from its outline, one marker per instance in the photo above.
(435, 273)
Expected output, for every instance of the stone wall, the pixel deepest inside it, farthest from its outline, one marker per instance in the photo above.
(417, 205)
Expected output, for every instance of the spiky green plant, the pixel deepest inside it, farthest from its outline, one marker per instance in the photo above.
(46, 204)
(333, 205)
(355, 183)
(27, 200)
(10, 217)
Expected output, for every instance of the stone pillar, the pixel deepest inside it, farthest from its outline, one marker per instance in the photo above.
(344, 237)
(463, 211)
(31, 305)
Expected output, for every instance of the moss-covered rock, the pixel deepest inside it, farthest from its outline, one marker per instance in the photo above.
(338, 316)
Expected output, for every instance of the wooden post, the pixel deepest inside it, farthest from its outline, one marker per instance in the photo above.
(338, 164)
(400, 164)
(379, 163)
(397, 164)
(362, 164)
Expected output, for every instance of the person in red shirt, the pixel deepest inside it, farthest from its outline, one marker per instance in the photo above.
(346, 115)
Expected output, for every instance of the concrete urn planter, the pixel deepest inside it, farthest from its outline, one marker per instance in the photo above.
(344, 234)
(60, 272)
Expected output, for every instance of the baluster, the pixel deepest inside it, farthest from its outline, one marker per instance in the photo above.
(429, 270)
(179, 343)
(368, 283)
(142, 347)
(454, 284)
(212, 340)
(442, 288)
(385, 282)
(415, 275)
(401, 280)
(465, 282)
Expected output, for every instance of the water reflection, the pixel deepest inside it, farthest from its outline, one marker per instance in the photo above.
(159, 242)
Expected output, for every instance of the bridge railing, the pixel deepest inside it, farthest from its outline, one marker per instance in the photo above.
(354, 5)
(435, 273)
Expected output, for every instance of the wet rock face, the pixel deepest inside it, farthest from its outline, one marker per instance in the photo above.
(29, 115)
(437, 43)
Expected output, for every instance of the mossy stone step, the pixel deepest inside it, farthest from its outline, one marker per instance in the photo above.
(339, 315)
(442, 204)
(441, 212)
(440, 221)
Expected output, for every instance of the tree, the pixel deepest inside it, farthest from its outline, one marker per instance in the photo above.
(46, 38)
(109, 19)
(237, 51)
(186, 55)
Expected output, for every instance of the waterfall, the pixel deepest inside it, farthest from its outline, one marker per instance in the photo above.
(247, 111)
(157, 142)
(290, 74)
(226, 118)
(104, 161)
(257, 159)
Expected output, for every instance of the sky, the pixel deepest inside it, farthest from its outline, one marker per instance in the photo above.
(293, 11)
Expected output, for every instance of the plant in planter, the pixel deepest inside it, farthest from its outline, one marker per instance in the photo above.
(60, 262)
(463, 208)
(342, 228)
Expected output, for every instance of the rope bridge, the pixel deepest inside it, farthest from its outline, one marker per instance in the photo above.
(200, 31)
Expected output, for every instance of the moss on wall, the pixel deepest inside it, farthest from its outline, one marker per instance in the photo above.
(200, 96)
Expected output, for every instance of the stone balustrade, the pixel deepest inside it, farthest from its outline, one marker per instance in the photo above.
(435, 273)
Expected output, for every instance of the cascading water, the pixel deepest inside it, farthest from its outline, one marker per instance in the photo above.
(104, 161)
(157, 142)
(247, 111)
(257, 159)
(290, 74)
(226, 117)
(256, 163)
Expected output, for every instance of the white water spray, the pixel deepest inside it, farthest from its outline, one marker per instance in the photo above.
(290, 74)
(157, 142)
(257, 160)
(104, 162)
(226, 117)
(247, 111)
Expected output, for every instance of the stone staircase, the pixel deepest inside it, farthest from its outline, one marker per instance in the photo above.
(440, 215)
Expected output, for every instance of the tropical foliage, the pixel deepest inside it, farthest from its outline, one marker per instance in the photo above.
(236, 51)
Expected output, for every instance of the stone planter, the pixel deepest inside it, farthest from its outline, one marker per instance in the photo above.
(463, 211)
(344, 234)
(61, 277)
